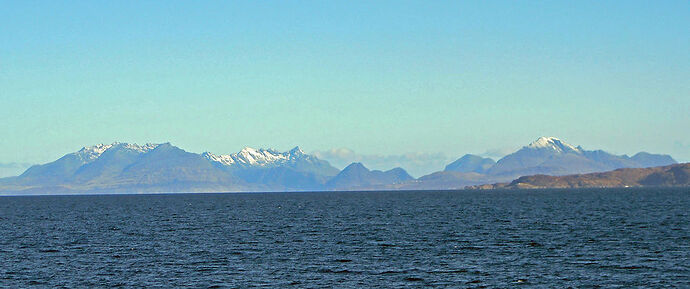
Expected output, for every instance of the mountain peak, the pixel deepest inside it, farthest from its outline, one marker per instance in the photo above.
(248, 150)
(254, 156)
(296, 151)
(555, 144)
(93, 152)
(139, 148)
(357, 176)
(400, 173)
(222, 159)
(470, 163)
(257, 157)
(355, 166)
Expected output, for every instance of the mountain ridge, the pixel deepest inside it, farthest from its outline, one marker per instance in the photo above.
(356, 176)
(545, 155)
(124, 167)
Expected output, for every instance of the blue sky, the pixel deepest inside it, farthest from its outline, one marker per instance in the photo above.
(379, 78)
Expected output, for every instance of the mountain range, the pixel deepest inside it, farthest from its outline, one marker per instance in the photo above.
(127, 168)
(545, 155)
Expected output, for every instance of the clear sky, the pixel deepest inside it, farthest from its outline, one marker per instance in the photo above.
(378, 78)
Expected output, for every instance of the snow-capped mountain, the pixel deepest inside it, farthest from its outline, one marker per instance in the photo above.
(124, 167)
(91, 153)
(552, 156)
(68, 167)
(164, 167)
(254, 164)
(545, 155)
(553, 144)
(257, 157)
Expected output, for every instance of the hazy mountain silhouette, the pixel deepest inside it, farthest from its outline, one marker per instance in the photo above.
(470, 164)
(357, 176)
(545, 156)
(122, 167)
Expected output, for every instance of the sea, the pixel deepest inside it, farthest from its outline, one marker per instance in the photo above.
(593, 238)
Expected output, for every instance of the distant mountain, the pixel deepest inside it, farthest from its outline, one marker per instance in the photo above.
(470, 164)
(292, 170)
(676, 175)
(545, 155)
(357, 176)
(552, 156)
(171, 166)
(127, 168)
(67, 168)
(268, 158)
(644, 159)
(122, 167)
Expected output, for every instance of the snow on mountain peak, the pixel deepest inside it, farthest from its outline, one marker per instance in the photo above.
(140, 148)
(255, 157)
(91, 153)
(296, 151)
(258, 156)
(223, 159)
(552, 143)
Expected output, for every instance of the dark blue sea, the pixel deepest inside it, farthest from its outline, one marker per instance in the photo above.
(465, 239)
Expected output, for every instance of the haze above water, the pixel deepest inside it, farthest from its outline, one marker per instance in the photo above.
(557, 238)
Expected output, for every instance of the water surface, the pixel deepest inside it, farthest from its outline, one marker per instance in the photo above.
(559, 238)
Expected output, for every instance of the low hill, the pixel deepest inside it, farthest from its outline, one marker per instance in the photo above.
(677, 175)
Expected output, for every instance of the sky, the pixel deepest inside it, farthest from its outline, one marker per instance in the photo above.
(380, 79)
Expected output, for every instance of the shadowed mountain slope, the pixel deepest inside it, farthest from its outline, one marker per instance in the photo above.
(122, 167)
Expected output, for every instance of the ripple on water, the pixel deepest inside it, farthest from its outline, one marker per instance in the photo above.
(579, 238)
